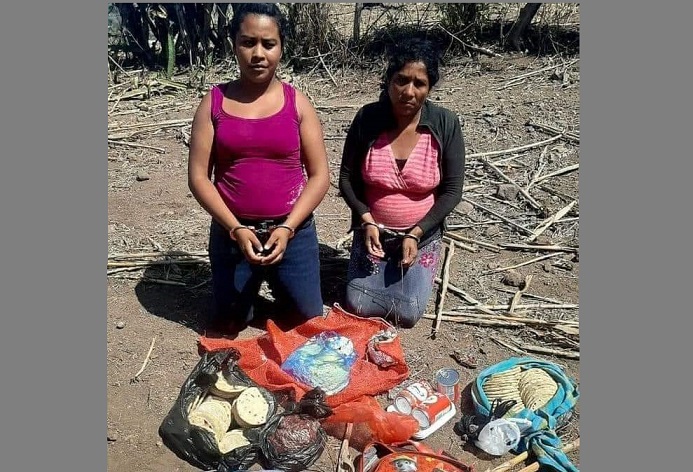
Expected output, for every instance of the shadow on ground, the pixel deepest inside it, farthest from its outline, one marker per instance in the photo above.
(182, 292)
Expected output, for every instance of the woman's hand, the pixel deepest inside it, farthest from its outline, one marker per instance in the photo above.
(249, 244)
(410, 246)
(372, 238)
(277, 242)
(409, 251)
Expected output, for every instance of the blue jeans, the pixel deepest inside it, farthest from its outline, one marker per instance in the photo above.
(295, 280)
(380, 288)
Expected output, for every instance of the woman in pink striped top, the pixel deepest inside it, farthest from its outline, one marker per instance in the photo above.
(401, 174)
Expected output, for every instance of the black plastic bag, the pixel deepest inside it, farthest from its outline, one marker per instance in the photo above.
(291, 448)
(195, 445)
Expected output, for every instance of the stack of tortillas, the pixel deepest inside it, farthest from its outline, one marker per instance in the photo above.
(225, 389)
(230, 408)
(214, 415)
(232, 439)
(531, 388)
(536, 388)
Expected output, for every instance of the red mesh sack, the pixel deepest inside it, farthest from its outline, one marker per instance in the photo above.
(379, 364)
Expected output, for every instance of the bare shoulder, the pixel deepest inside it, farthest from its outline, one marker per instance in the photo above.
(303, 104)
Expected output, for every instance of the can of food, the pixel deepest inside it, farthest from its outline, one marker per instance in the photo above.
(448, 383)
(431, 410)
(412, 395)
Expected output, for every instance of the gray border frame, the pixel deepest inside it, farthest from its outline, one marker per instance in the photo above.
(52, 189)
(54, 238)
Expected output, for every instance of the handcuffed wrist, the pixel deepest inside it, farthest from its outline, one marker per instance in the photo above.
(233, 230)
(292, 231)
(369, 223)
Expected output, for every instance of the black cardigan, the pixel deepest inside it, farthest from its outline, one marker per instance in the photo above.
(374, 118)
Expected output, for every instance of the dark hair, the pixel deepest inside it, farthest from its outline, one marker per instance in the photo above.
(241, 10)
(412, 50)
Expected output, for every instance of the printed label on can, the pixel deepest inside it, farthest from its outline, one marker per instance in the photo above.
(448, 383)
(412, 396)
(431, 410)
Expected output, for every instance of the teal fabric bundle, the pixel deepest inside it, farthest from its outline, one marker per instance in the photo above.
(541, 437)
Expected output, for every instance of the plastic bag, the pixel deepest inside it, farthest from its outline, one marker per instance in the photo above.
(498, 437)
(379, 425)
(290, 441)
(196, 445)
(324, 361)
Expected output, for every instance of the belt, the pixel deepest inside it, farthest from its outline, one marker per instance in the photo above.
(263, 228)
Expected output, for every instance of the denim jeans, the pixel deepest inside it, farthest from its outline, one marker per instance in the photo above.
(295, 280)
(380, 288)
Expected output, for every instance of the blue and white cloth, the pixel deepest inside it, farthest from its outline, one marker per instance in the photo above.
(541, 437)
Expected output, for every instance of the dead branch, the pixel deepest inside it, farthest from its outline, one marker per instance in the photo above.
(147, 255)
(448, 240)
(518, 294)
(530, 295)
(506, 466)
(549, 351)
(135, 145)
(482, 319)
(457, 237)
(160, 125)
(544, 225)
(524, 192)
(146, 360)
(164, 282)
(572, 136)
(443, 288)
(452, 288)
(474, 321)
(509, 346)
(565, 170)
(327, 69)
(336, 107)
(471, 47)
(533, 247)
(531, 261)
(155, 263)
(503, 152)
(539, 306)
(123, 269)
(500, 217)
(508, 82)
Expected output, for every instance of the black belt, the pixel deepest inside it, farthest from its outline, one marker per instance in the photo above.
(263, 228)
(260, 224)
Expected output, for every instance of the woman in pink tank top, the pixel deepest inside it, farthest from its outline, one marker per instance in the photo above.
(258, 166)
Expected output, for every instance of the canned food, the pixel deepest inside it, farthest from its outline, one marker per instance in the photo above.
(431, 410)
(448, 383)
(412, 395)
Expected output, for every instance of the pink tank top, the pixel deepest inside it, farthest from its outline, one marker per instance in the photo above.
(401, 198)
(257, 162)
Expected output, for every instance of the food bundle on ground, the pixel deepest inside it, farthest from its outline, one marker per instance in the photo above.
(228, 410)
(531, 388)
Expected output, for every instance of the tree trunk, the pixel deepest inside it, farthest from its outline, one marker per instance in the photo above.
(223, 28)
(132, 20)
(357, 22)
(524, 19)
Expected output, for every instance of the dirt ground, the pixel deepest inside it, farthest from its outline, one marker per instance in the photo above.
(150, 210)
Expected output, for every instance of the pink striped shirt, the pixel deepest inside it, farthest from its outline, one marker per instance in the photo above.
(400, 199)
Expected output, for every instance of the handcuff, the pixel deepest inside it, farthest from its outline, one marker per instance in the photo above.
(263, 232)
(381, 227)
